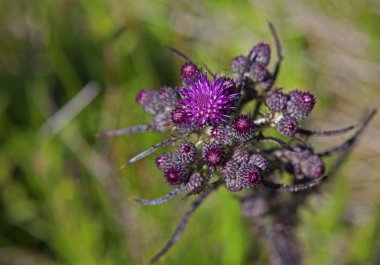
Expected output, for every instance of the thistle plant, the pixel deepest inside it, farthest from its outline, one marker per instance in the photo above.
(221, 136)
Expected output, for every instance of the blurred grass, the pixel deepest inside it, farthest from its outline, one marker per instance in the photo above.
(64, 195)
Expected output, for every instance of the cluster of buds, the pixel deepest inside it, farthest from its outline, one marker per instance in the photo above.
(218, 143)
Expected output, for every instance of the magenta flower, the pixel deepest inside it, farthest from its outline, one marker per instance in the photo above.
(208, 102)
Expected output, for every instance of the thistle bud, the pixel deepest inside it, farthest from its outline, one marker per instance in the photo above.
(244, 128)
(186, 152)
(276, 101)
(212, 154)
(312, 166)
(238, 64)
(176, 173)
(240, 156)
(260, 53)
(223, 134)
(259, 160)
(148, 100)
(164, 161)
(189, 73)
(287, 126)
(259, 72)
(229, 172)
(195, 183)
(249, 175)
(300, 104)
(178, 116)
(167, 96)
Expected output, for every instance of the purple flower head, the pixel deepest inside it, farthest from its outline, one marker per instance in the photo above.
(208, 102)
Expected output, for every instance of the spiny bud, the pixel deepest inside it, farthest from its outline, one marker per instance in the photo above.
(249, 175)
(167, 96)
(259, 160)
(229, 172)
(312, 166)
(244, 128)
(259, 72)
(189, 73)
(238, 64)
(287, 126)
(230, 169)
(240, 155)
(260, 53)
(212, 154)
(162, 121)
(276, 101)
(176, 173)
(300, 104)
(195, 183)
(234, 185)
(178, 116)
(186, 152)
(147, 99)
(164, 161)
(223, 134)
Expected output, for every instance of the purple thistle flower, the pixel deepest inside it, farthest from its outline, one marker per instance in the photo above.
(208, 102)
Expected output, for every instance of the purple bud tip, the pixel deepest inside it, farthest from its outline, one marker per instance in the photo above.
(212, 154)
(260, 53)
(243, 124)
(178, 116)
(287, 126)
(308, 99)
(276, 101)
(188, 70)
(176, 174)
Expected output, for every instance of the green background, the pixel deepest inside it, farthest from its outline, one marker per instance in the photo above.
(65, 194)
